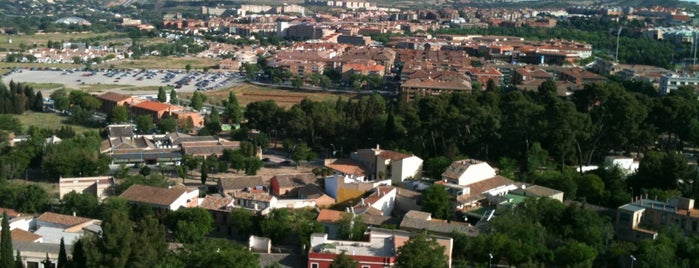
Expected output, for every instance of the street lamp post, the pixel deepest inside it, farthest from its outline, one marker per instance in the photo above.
(490, 260)
(633, 260)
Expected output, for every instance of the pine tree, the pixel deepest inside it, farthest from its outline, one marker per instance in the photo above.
(162, 96)
(62, 256)
(114, 247)
(7, 259)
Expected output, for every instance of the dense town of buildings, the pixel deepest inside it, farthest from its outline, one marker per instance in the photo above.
(382, 186)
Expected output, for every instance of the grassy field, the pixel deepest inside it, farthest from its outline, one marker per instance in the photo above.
(41, 39)
(44, 86)
(248, 93)
(48, 120)
(160, 63)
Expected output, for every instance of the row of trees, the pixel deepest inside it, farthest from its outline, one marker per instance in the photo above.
(19, 98)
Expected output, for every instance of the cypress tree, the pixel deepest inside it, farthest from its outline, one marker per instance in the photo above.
(62, 256)
(204, 172)
(173, 97)
(162, 96)
(79, 257)
(38, 104)
(7, 259)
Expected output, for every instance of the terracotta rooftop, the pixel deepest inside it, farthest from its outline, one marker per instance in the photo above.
(393, 155)
(347, 166)
(378, 193)
(62, 219)
(217, 202)
(22, 235)
(153, 195)
(157, 106)
(329, 216)
(489, 184)
(113, 97)
(10, 212)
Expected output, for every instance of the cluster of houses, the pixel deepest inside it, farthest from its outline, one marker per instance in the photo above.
(381, 186)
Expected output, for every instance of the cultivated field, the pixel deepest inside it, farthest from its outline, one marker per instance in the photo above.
(41, 39)
(247, 93)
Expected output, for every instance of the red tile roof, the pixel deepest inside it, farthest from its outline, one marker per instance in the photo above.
(10, 212)
(113, 97)
(156, 106)
(347, 166)
(329, 216)
(153, 195)
(62, 219)
(22, 235)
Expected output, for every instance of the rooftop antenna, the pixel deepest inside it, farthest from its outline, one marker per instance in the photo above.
(618, 34)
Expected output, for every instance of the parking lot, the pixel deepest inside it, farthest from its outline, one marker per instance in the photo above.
(131, 80)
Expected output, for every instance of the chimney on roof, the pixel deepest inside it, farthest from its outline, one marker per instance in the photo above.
(74, 214)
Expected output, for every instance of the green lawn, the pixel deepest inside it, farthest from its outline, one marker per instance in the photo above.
(48, 120)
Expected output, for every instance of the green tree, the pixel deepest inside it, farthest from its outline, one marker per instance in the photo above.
(82, 204)
(575, 254)
(421, 251)
(151, 243)
(436, 200)
(114, 247)
(167, 125)
(217, 253)
(188, 67)
(32, 199)
(343, 261)
(144, 123)
(119, 115)
(197, 101)
(351, 227)
(204, 172)
(6, 256)
(297, 81)
(233, 113)
(79, 259)
(277, 225)
(62, 256)
(244, 220)
(190, 225)
(60, 99)
(173, 97)
(162, 96)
